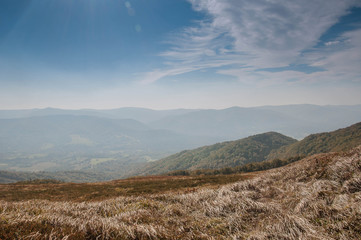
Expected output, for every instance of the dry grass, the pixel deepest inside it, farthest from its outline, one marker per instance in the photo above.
(104, 190)
(316, 198)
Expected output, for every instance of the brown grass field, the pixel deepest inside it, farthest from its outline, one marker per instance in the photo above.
(318, 197)
(137, 186)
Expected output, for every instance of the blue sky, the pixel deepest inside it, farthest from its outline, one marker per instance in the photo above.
(166, 54)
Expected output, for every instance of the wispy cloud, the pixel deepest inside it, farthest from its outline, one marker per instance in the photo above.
(262, 34)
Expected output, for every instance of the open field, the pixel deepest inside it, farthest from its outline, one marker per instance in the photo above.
(103, 190)
(318, 197)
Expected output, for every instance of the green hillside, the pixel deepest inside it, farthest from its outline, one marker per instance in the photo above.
(226, 154)
(340, 140)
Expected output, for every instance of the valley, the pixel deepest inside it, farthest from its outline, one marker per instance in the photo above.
(100, 145)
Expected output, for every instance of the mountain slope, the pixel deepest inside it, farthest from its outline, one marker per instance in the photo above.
(318, 197)
(226, 154)
(257, 148)
(339, 140)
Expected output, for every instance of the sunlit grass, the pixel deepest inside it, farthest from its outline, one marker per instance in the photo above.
(51, 190)
(316, 198)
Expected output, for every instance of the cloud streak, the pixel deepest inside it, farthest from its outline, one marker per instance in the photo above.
(240, 37)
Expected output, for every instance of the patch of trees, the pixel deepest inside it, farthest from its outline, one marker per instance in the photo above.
(250, 167)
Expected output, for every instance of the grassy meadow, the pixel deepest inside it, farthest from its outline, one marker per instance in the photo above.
(318, 197)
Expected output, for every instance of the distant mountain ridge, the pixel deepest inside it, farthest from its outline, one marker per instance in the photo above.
(143, 115)
(233, 123)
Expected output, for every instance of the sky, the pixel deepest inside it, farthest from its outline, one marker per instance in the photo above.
(166, 54)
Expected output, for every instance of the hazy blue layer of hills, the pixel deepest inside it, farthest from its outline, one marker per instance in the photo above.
(63, 142)
(296, 121)
(119, 140)
(139, 114)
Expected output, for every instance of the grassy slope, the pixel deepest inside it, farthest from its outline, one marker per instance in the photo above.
(318, 197)
(339, 140)
(226, 154)
(58, 191)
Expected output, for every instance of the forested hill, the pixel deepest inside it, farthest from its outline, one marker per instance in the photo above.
(226, 154)
(340, 140)
(255, 149)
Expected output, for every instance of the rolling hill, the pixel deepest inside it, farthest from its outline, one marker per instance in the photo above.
(226, 154)
(254, 149)
(339, 140)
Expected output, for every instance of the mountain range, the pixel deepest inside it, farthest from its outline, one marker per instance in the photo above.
(296, 121)
(118, 142)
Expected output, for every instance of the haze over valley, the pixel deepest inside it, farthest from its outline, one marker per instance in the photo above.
(114, 143)
(180, 119)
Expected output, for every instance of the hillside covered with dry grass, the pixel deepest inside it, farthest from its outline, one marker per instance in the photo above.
(318, 197)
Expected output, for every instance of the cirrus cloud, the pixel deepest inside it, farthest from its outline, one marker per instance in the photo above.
(240, 37)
